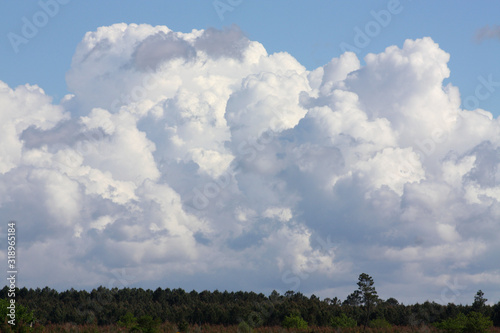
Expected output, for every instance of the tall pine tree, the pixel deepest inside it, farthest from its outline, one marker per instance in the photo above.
(368, 295)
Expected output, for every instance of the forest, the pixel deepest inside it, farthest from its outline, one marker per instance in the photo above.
(176, 310)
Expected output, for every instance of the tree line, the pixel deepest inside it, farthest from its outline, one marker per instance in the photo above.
(104, 306)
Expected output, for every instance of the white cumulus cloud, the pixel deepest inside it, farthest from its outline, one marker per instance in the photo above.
(185, 155)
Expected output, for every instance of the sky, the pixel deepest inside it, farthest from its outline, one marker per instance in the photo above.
(253, 145)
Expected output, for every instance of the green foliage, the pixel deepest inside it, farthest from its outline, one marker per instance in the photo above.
(128, 321)
(392, 302)
(479, 302)
(294, 321)
(354, 299)
(368, 295)
(183, 325)
(379, 323)
(343, 321)
(24, 316)
(88, 311)
(477, 323)
(474, 322)
(147, 324)
(4, 303)
(496, 314)
(243, 327)
(453, 325)
(479, 299)
(366, 289)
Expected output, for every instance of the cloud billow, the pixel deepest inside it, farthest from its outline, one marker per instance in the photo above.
(182, 156)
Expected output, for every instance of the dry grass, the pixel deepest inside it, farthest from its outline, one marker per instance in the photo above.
(172, 328)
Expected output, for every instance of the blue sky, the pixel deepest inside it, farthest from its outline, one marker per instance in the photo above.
(312, 32)
(232, 144)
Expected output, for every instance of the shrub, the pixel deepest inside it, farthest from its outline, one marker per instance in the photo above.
(474, 322)
(343, 321)
(453, 325)
(294, 321)
(128, 321)
(379, 323)
(147, 324)
(183, 325)
(477, 323)
(243, 327)
(24, 316)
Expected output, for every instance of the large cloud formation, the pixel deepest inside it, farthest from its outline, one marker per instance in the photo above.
(198, 160)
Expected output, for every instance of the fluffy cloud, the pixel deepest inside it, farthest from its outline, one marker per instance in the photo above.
(182, 156)
(26, 106)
